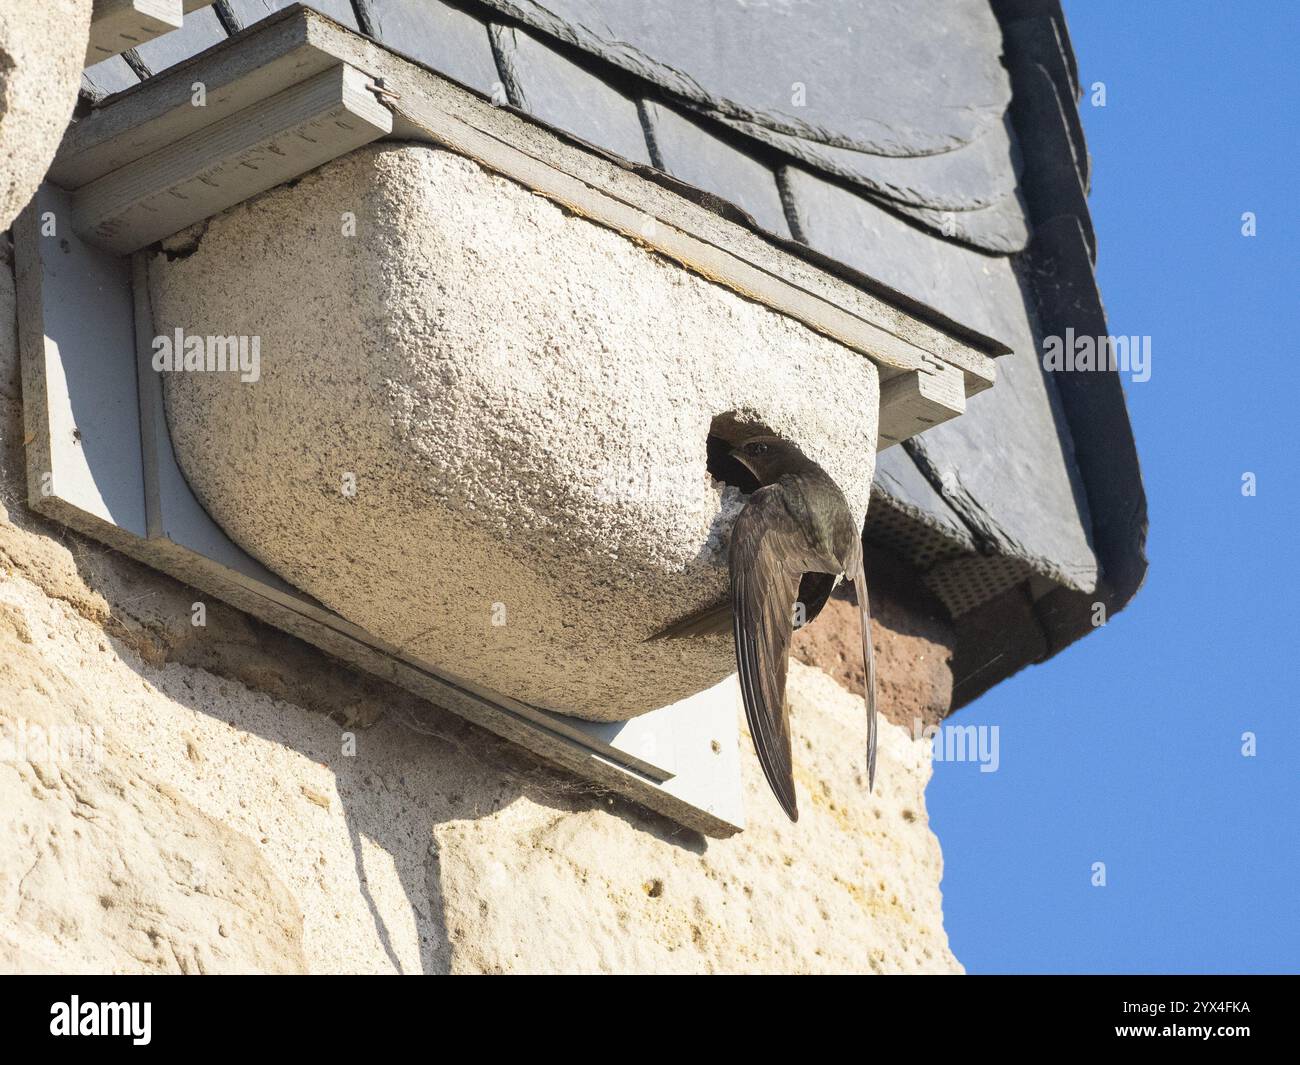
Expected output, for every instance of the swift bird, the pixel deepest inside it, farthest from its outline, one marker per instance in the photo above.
(793, 540)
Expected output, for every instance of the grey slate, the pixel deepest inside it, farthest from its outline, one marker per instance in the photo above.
(881, 109)
(877, 77)
(1039, 41)
(1054, 177)
(1011, 10)
(974, 175)
(1065, 290)
(557, 90)
(1002, 227)
(443, 38)
(1011, 476)
(847, 226)
(689, 150)
(107, 77)
(903, 486)
(247, 12)
(969, 195)
(200, 31)
(1010, 472)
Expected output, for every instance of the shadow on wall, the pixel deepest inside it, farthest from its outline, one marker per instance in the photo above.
(415, 768)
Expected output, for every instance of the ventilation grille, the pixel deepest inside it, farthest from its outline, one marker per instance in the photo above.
(952, 569)
(963, 584)
(918, 542)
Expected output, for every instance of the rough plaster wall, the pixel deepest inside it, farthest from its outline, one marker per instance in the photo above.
(913, 656)
(524, 398)
(222, 829)
(42, 47)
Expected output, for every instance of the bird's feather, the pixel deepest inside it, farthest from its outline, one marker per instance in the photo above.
(857, 574)
(767, 552)
(814, 591)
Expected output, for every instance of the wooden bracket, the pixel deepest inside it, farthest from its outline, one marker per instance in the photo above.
(228, 161)
(924, 398)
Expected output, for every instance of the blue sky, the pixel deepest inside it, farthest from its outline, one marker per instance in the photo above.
(1126, 748)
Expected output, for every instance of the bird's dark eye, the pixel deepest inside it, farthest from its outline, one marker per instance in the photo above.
(758, 449)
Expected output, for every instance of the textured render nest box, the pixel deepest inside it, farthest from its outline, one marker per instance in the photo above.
(523, 400)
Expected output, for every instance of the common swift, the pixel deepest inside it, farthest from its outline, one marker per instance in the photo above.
(793, 540)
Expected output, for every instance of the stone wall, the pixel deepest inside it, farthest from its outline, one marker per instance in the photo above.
(42, 48)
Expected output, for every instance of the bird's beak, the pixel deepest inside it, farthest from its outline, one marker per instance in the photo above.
(743, 459)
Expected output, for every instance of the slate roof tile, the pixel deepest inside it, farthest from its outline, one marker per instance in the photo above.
(874, 76)
(246, 12)
(1005, 467)
(912, 109)
(200, 31)
(551, 86)
(976, 175)
(688, 150)
(107, 77)
(901, 487)
(1041, 41)
(441, 37)
(1055, 176)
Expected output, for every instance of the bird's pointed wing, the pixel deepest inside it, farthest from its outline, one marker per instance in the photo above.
(766, 561)
(857, 574)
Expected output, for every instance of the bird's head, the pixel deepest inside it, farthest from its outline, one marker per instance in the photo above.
(768, 457)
